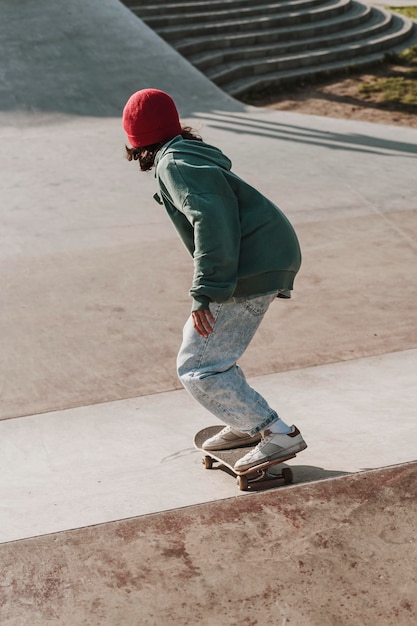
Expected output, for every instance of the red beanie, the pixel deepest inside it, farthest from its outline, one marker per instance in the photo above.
(150, 116)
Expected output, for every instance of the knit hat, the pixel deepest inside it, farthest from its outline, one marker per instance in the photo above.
(150, 116)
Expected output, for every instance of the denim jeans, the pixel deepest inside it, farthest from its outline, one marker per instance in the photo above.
(207, 366)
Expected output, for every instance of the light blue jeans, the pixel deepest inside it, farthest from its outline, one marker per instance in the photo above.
(207, 366)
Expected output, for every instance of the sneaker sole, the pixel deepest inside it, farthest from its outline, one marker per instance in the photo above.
(290, 453)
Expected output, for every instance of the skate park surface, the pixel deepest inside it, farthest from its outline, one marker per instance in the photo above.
(107, 515)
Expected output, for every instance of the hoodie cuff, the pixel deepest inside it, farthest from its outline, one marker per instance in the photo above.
(202, 304)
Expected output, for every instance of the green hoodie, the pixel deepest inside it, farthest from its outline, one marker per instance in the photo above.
(242, 244)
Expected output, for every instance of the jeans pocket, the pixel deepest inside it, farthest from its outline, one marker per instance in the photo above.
(259, 306)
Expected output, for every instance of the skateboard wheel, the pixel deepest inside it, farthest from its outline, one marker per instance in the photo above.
(208, 462)
(242, 482)
(287, 475)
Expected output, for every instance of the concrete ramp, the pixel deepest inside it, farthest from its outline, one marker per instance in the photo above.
(94, 292)
(336, 552)
(86, 58)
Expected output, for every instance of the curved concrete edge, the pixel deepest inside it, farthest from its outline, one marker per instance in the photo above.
(87, 58)
(340, 551)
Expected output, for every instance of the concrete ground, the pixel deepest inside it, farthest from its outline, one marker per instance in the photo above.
(104, 503)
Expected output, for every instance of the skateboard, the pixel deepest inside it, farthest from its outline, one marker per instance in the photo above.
(246, 479)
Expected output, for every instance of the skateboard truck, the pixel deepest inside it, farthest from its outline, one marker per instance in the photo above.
(258, 474)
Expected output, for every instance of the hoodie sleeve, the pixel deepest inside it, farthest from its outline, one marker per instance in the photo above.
(216, 224)
(207, 218)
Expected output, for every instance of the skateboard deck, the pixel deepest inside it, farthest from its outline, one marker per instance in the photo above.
(254, 476)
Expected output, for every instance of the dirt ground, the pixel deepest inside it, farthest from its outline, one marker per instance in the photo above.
(340, 97)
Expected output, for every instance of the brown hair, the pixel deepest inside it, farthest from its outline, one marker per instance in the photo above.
(146, 154)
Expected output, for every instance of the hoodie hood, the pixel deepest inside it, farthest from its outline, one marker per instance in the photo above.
(195, 152)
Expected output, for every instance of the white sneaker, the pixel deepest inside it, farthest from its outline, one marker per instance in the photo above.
(229, 438)
(272, 447)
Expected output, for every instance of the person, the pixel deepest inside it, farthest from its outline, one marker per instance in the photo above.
(245, 253)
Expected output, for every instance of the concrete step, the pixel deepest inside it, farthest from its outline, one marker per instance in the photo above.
(357, 14)
(174, 7)
(237, 24)
(368, 44)
(372, 23)
(173, 15)
(245, 87)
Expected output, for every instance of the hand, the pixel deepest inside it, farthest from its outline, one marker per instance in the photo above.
(203, 322)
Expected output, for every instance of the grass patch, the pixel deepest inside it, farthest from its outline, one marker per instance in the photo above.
(399, 87)
(409, 58)
(410, 12)
(395, 89)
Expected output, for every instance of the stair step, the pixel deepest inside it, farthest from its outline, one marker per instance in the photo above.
(225, 74)
(373, 22)
(350, 56)
(144, 9)
(330, 8)
(358, 14)
(163, 19)
(243, 89)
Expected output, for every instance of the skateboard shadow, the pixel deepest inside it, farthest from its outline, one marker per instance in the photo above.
(311, 473)
(302, 474)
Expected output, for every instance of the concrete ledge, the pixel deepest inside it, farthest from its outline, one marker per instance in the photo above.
(111, 461)
(341, 551)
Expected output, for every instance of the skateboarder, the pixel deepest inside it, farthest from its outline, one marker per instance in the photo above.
(245, 255)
